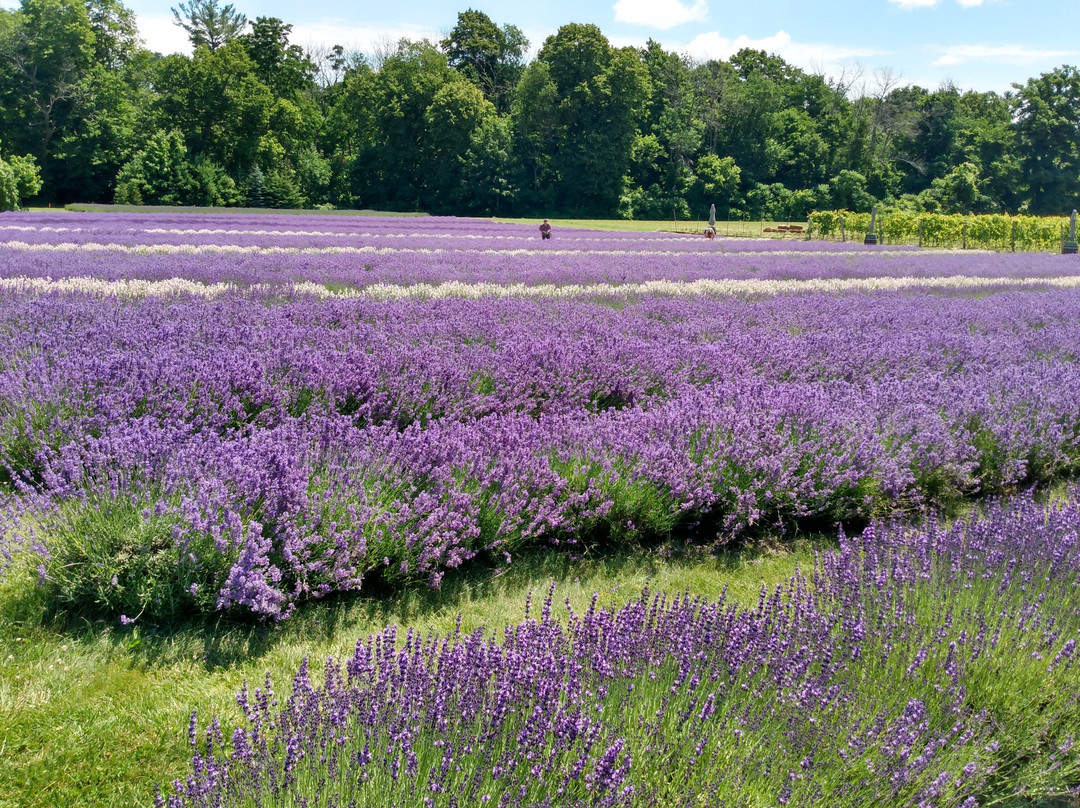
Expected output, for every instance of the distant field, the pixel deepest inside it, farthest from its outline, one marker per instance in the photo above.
(737, 229)
(730, 229)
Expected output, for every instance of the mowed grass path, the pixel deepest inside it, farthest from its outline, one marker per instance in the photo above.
(96, 715)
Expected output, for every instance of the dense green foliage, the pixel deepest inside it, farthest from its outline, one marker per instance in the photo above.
(19, 180)
(467, 125)
(993, 231)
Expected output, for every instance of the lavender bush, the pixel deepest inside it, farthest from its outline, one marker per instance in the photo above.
(922, 666)
(255, 450)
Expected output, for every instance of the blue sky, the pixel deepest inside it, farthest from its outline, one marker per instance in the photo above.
(977, 44)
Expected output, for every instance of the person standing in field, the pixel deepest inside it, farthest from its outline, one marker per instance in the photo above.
(545, 230)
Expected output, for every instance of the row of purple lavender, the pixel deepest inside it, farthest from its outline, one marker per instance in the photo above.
(919, 667)
(358, 253)
(281, 448)
(295, 230)
(403, 267)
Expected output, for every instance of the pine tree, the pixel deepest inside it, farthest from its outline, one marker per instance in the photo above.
(256, 189)
(208, 25)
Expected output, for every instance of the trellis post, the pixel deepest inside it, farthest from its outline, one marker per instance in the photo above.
(1070, 247)
(871, 236)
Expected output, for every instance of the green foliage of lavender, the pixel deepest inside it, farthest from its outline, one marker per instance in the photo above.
(107, 557)
(925, 666)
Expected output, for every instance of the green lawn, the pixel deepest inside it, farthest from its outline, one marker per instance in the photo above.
(96, 715)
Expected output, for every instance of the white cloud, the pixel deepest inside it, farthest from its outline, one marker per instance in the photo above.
(354, 37)
(811, 55)
(662, 14)
(162, 34)
(974, 3)
(1009, 54)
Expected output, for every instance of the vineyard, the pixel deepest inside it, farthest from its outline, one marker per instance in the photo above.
(982, 232)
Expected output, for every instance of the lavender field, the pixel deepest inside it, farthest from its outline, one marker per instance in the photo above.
(239, 415)
(853, 688)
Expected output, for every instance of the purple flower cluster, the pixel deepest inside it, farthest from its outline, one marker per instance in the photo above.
(404, 268)
(297, 446)
(877, 682)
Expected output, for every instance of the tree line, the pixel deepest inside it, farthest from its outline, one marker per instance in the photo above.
(470, 125)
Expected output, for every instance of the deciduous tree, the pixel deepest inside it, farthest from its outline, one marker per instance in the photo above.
(20, 179)
(1047, 114)
(491, 57)
(601, 95)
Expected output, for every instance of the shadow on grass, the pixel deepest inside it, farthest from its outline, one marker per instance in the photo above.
(222, 642)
